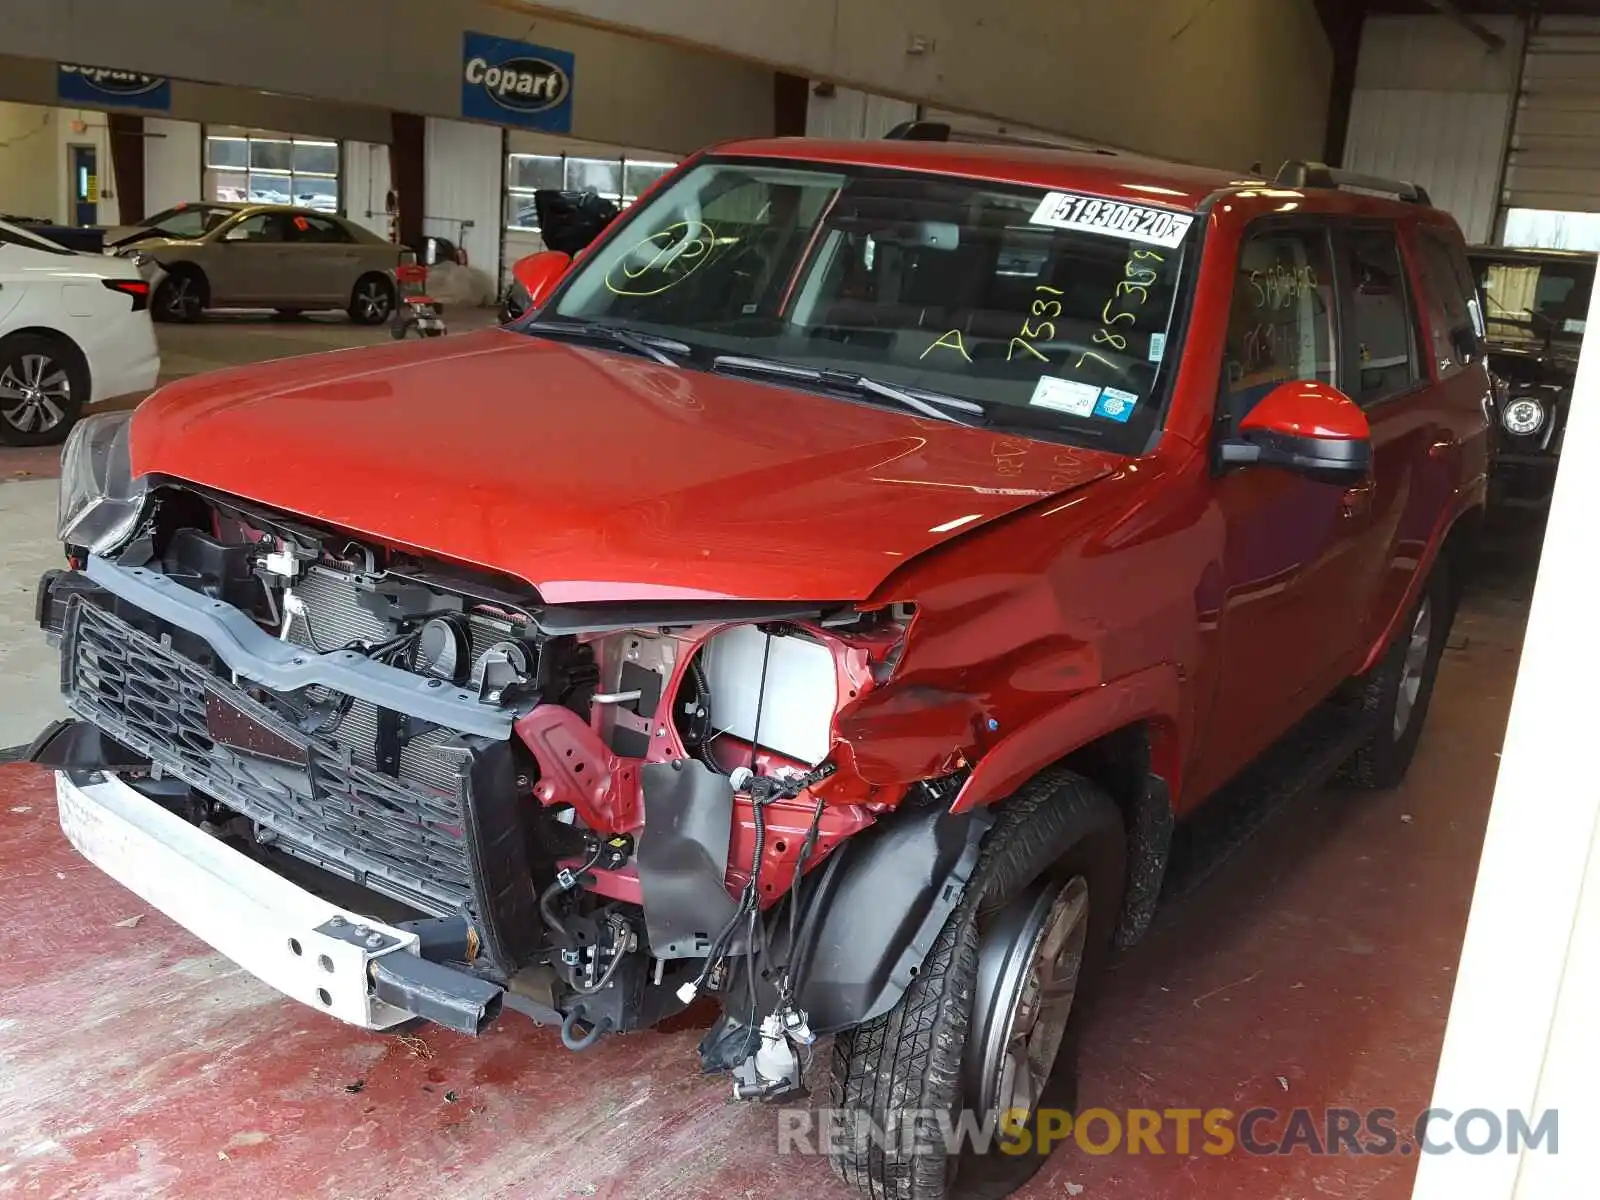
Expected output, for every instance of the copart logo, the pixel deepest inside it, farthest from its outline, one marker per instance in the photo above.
(115, 83)
(521, 85)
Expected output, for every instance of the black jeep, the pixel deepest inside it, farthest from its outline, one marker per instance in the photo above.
(1535, 303)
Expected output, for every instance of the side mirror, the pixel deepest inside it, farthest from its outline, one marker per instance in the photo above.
(1464, 341)
(538, 274)
(1306, 427)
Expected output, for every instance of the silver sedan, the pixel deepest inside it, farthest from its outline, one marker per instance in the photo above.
(269, 256)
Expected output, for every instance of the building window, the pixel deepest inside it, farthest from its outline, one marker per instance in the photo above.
(1545, 229)
(273, 169)
(621, 180)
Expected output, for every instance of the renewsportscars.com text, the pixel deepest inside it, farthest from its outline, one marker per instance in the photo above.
(1176, 1131)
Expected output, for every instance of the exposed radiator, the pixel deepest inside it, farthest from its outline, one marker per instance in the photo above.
(336, 618)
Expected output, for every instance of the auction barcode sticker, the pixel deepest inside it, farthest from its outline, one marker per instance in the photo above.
(1113, 218)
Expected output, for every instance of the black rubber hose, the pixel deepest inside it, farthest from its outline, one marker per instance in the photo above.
(596, 1031)
(547, 910)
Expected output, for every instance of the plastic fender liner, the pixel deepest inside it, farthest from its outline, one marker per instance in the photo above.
(877, 908)
(683, 856)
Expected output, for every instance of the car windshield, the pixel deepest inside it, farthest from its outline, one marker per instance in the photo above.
(189, 220)
(1042, 311)
(1533, 301)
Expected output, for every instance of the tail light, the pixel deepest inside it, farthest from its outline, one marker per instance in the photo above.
(138, 289)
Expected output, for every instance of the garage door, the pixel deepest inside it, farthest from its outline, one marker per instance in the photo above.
(1555, 149)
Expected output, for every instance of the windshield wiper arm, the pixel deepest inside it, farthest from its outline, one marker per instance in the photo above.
(928, 404)
(659, 349)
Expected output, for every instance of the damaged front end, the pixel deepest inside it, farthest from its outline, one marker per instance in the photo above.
(589, 813)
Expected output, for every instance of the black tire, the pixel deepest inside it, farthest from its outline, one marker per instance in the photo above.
(44, 384)
(182, 296)
(916, 1057)
(372, 299)
(1386, 754)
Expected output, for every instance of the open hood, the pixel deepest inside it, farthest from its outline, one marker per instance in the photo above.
(595, 475)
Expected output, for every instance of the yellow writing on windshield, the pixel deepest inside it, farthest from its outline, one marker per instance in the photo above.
(948, 341)
(663, 260)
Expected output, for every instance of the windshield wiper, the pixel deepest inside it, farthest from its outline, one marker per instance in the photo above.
(928, 404)
(659, 349)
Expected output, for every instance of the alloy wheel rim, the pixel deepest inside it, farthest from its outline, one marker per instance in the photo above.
(34, 393)
(182, 297)
(1029, 965)
(374, 301)
(1413, 667)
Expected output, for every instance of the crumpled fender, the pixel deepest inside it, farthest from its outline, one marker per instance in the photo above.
(1153, 694)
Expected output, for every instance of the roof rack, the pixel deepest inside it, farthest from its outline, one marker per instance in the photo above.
(942, 131)
(1295, 174)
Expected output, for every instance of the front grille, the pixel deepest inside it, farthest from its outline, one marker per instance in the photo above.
(407, 842)
(334, 617)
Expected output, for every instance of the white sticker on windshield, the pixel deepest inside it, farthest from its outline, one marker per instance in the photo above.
(1063, 395)
(1113, 218)
(1158, 346)
(1574, 325)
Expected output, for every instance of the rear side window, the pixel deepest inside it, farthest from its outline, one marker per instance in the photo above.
(1378, 315)
(1448, 300)
(259, 227)
(306, 228)
(1282, 324)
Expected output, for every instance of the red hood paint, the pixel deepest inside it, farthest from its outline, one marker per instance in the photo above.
(595, 475)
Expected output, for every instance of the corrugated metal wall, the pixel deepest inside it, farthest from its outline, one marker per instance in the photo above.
(1427, 137)
(852, 114)
(1433, 104)
(463, 165)
(1555, 156)
(365, 186)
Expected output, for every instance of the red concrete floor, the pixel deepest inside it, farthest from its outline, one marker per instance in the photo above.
(1314, 967)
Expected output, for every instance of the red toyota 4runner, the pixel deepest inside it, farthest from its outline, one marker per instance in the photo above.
(822, 601)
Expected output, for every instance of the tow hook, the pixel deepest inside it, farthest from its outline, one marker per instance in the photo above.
(774, 1069)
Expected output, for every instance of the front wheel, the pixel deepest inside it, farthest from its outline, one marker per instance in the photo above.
(1395, 693)
(986, 1035)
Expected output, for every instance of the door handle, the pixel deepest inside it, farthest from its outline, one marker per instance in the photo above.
(1357, 501)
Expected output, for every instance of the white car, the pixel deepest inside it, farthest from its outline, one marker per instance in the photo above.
(74, 328)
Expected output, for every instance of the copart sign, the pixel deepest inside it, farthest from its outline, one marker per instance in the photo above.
(516, 83)
(106, 87)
